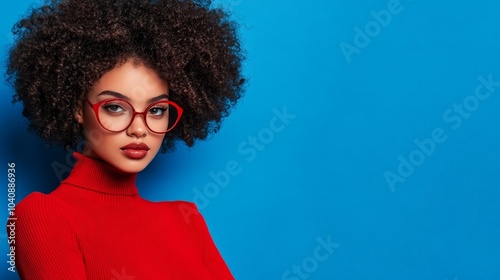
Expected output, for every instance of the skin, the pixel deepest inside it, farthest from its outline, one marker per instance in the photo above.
(139, 84)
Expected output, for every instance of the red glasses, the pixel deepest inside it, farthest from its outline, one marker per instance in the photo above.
(116, 115)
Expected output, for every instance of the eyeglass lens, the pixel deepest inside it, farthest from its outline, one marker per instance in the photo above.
(117, 115)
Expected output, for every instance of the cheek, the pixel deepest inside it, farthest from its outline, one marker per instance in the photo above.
(157, 140)
(94, 134)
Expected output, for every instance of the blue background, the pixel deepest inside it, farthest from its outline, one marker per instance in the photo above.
(356, 118)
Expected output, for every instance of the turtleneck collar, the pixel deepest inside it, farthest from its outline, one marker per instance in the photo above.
(98, 175)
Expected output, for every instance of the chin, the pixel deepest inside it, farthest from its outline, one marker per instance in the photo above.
(133, 168)
(128, 165)
(124, 163)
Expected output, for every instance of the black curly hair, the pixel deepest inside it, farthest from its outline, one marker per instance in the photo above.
(65, 46)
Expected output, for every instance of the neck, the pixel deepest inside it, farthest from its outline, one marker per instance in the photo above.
(97, 175)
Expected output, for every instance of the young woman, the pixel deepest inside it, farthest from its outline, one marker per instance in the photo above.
(126, 79)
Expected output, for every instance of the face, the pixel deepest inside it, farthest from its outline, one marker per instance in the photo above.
(132, 149)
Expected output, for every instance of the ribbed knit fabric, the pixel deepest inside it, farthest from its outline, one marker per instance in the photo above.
(96, 226)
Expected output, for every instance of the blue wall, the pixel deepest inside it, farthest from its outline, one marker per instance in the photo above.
(366, 146)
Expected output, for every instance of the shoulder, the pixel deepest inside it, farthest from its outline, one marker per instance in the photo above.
(38, 207)
(184, 210)
(38, 200)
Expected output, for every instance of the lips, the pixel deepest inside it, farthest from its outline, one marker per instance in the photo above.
(135, 151)
(134, 146)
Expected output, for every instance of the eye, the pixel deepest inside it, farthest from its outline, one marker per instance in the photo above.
(113, 108)
(158, 111)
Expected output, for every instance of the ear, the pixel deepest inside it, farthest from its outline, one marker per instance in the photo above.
(79, 116)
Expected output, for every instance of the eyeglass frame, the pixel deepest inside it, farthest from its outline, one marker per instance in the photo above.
(95, 108)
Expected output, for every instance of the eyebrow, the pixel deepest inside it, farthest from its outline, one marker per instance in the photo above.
(119, 95)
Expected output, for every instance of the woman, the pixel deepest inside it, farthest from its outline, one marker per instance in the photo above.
(126, 79)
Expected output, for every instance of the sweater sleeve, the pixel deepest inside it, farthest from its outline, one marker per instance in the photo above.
(211, 255)
(46, 244)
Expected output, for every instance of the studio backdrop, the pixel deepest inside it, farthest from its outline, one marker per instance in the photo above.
(366, 145)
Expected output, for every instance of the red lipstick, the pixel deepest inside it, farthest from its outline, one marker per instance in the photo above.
(135, 151)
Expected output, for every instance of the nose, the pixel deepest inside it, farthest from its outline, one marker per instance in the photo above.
(138, 127)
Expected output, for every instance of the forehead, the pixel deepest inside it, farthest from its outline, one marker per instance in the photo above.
(136, 81)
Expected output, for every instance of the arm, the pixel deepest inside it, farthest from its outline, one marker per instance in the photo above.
(46, 244)
(211, 255)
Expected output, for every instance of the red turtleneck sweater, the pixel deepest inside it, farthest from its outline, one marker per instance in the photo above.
(96, 226)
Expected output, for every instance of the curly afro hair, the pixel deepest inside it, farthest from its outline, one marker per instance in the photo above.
(65, 46)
